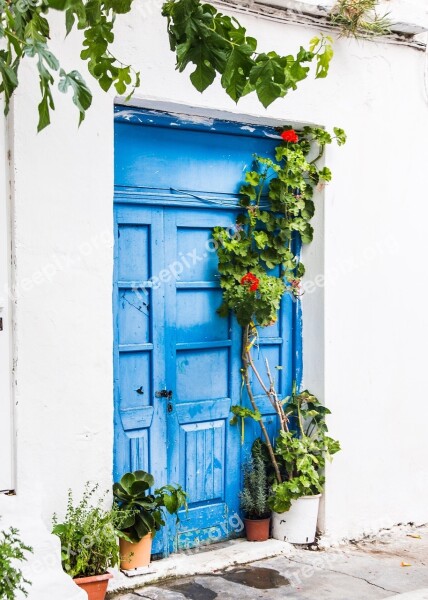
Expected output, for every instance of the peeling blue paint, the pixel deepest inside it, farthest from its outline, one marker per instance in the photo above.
(298, 343)
(197, 123)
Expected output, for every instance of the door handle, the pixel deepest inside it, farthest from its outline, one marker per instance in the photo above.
(164, 394)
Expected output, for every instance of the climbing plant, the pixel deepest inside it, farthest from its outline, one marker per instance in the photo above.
(262, 264)
(198, 33)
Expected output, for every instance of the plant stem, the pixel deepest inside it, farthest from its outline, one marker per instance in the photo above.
(245, 366)
(270, 393)
(320, 154)
(257, 374)
(276, 402)
(299, 416)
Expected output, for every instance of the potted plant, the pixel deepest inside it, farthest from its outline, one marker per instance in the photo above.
(88, 543)
(254, 497)
(12, 553)
(141, 514)
(301, 454)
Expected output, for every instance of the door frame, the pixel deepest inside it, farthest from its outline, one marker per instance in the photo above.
(7, 429)
(236, 124)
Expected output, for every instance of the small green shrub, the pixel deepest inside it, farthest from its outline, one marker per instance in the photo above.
(254, 495)
(12, 550)
(88, 536)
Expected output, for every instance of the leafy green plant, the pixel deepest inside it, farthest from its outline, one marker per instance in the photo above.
(254, 495)
(242, 412)
(12, 551)
(358, 18)
(25, 33)
(198, 33)
(88, 536)
(277, 208)
(141, 512)
(260, 265)
(302, 453)
(219, 44)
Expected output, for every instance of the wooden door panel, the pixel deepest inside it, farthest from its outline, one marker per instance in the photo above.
(140, 420)
(173, 185)
(203, 351)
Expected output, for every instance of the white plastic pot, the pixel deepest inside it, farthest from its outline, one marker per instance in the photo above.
(299, 524)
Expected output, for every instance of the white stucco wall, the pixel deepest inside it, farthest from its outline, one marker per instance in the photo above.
(64, 257)
(6, 408)
(43, 564)
(365, 327)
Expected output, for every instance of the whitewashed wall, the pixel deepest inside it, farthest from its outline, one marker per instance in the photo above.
(365, 325)
(6, 409)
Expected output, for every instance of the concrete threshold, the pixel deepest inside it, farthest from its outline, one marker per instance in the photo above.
(199, 562)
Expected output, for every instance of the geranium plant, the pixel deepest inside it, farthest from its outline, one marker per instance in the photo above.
(262, 264)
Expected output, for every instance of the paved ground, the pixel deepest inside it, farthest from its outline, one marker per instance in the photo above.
(394, 563)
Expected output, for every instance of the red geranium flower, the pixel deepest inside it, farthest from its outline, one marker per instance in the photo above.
(251, 280)
(290, 136)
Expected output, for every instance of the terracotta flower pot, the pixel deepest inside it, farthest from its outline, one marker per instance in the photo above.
(95, 586)
(134, 556)
(257, 530)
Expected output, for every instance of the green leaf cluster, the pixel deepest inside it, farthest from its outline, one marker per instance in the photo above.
(218, 44)
(277, 203)
(302, 454)
(12, 552)
(243, 412)
(214, 43)
(88, 536)
(141, 512)
(25, 33)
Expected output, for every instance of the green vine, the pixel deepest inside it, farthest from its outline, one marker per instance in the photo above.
(257, 267)
(261, 264)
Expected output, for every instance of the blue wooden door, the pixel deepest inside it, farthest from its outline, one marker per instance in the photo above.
(177, 363)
